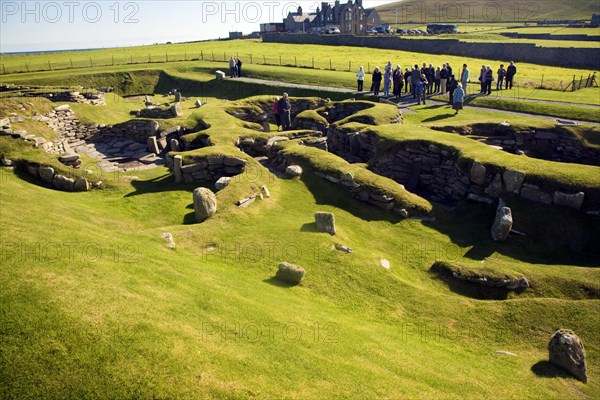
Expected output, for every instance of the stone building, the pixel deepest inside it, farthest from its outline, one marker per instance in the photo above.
(351, 18)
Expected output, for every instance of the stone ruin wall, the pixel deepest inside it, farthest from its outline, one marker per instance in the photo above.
(434, 172)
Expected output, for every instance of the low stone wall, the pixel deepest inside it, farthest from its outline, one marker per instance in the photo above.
(428, 170)
(350, 145)
(548, 145)
(55, 180)
(259, 146)
(584, 58)
(368, 193)
(341, 110)
(209, 168)
(434, 172)
(548, 36)
(160, 113)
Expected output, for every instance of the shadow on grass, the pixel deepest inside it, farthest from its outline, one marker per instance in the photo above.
(165, 183)
(554, 235)
(329, 193)
(544, 369)
(190, 218)
(274, 282)
(470, 289)
(439, 117)
(309, 227)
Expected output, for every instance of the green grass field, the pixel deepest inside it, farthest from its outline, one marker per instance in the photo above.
(95, 305)
(480, 12)
(254, 52)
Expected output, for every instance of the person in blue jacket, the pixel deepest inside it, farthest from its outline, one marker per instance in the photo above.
(458, 98)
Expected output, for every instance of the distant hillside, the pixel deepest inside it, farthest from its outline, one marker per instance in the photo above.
(431, 11)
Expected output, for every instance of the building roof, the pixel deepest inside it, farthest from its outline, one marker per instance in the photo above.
(304, 17)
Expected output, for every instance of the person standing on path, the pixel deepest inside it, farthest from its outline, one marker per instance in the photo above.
(238, 64)
(398, 79)
(451, 86)
(285, 108)
(232, 66)
(489, 78)
(501, 75)
(421, 88)
(464, 77)
(458, 97)
(360, 78)
(415, 78)
(511, 71)
(443, 79)
(387, 80)
(482, 79)
(406, 80)
(376, 81)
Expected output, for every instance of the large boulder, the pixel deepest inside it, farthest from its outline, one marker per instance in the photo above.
(293, 171)
(566, 351)
(63, 183)
(205, 203)
(477, 173)
(82, 185)
(325, 222)
(502, 224)
(289, 273)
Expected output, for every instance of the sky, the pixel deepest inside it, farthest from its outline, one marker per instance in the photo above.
(72, 24)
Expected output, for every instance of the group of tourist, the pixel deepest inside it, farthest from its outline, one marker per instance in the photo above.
(235, 67)
(428, 80)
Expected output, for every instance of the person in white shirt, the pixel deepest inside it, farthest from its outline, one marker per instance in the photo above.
(360, 76)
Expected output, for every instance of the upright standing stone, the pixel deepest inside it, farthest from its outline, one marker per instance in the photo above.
(177, 97)
(176, 110)
(266, 126)
(205, 203)
(153, 145)
(174, 145)
(198, 104)
(177, 164)
(325, 222)
(566, 351)
(502, 224)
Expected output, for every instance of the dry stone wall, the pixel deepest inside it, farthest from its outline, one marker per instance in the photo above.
(435, 172)
(209, 168)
